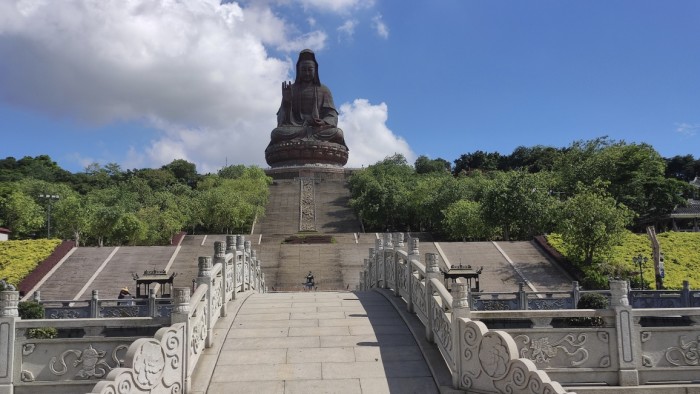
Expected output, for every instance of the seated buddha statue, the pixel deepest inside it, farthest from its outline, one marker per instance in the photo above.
(307, 111)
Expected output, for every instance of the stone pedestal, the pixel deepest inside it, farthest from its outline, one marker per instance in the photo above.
(301, 152)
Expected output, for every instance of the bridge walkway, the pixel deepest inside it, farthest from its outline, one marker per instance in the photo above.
(314, 342)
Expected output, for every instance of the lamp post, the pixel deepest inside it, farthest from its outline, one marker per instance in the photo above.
(50, 198)
(640, 261)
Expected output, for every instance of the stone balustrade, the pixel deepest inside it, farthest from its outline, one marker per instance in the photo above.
(112, 348)
(549, 347)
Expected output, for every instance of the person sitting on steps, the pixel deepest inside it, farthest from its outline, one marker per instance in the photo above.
(309, 285)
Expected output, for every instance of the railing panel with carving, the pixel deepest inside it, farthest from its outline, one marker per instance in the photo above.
(370, 275)
(402, 281)
(489, 363)
(389, 262)
(540, 304)
(554, 348)
(442, 329)
(79, 359)
(694, 299)
(669, 353)
(418, 287)
(239, 275)
(123, 311)
(67, 312)
(229, 280)
(495, 303)
(152, 365)
(217, 297)
(198, 325)
(655, 299)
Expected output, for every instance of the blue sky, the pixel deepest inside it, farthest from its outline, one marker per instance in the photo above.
(143, 83)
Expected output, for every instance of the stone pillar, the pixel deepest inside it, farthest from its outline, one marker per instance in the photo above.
(180, 314)
(399, 240)
(37, 296)
(413, 255)
(8, 317)
(575, 293)
(522, 297)
(94, 304)
(205, 277)
(685, 295)
(152, 303)
(254, 259)
(378, 251)
(240, 240)
(230, 243)
(387, 257)
(398, 246)
(8, 303)
(460, 309)
(249, 263)
(432, 270)
(627, 332)
(220, 258)
(181, 305)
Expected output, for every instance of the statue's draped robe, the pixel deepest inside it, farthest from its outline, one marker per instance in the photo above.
(310, 102)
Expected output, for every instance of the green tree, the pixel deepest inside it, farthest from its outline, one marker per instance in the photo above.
(463, 221)
(591, 223)
(22, 215)
(520, 204)
(426, 165)
(184, 171)
(380, 193)
(71, 216)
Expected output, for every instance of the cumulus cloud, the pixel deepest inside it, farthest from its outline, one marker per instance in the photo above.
(367, 135)
(198, 72)
(380, 27)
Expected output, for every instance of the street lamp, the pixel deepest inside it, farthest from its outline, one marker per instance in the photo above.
(50, 198)
(640, 261)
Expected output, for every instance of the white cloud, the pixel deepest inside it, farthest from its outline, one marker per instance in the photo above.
(337, 6)
(196, 71)
(347, 29)
(367, 136)
(380, 27)
(687, 129)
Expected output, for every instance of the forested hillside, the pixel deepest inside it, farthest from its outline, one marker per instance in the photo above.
(105, 205)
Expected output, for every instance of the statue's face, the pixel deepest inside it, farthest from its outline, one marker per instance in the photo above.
(307, 69)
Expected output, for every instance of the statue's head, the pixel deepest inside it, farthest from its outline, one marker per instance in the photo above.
(307, 60)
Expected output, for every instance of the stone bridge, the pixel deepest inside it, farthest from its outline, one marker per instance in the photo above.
(403, 331)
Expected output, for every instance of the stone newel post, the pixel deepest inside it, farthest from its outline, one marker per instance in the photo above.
(432, 270)
(220, 258)
(8, 316)
(205, 277)
(627, 331)
(386, 257)
(460, 309)
(8, 303)
(398, 246)
(181, 314)
(377, 257)
(414, 254)
(181, 305)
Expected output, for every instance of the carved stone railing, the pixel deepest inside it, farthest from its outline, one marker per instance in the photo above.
(194, 317)
(479, 360)
(112, 348)
(621, 346)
